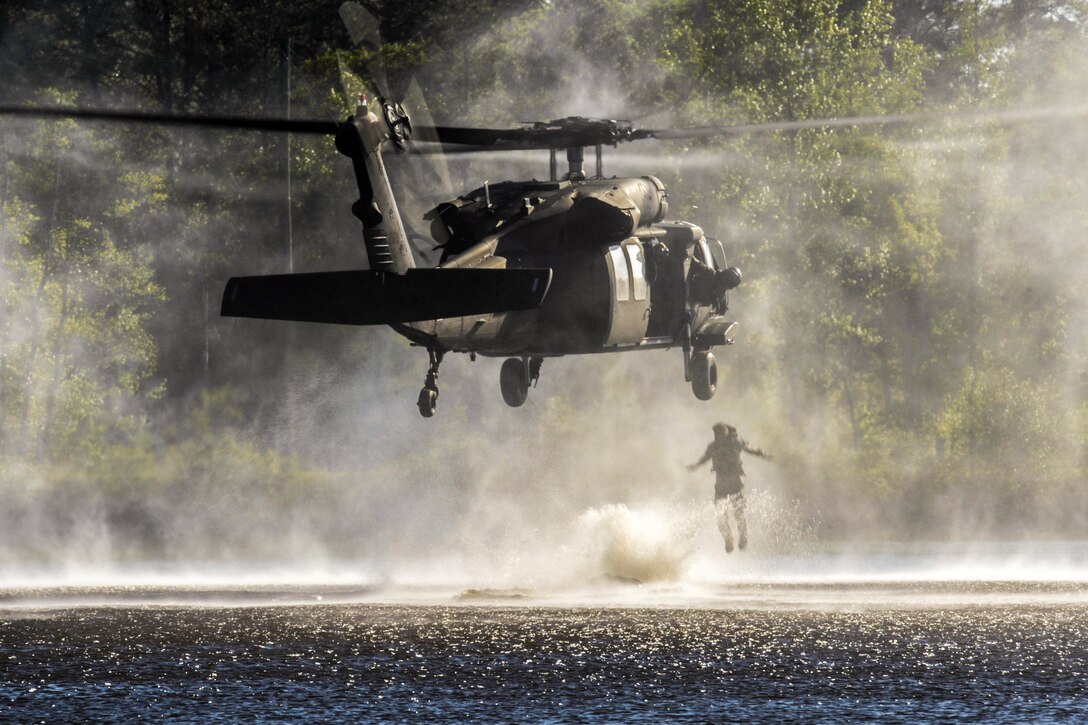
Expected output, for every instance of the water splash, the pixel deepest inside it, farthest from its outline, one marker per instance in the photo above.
(641, 546)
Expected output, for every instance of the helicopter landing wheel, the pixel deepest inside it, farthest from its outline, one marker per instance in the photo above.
(704, 374)
(514, 381)
(428, 401)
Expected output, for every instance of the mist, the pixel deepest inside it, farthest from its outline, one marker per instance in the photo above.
(913, 346)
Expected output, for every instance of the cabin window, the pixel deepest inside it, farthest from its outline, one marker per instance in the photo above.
(638, 270)
(620, 274)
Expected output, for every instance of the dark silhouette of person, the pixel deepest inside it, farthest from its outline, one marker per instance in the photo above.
(724, 452)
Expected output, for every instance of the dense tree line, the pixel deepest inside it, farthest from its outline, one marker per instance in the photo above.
(916, 325)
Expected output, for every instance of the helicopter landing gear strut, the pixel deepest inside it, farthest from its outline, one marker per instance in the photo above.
(428, 395)
(516, 376)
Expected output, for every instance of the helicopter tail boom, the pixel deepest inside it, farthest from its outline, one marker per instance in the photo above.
(369, 297)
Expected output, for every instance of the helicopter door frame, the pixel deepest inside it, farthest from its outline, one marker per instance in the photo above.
(702, 252)
(630, 299)
(621, 274)
(640, 286)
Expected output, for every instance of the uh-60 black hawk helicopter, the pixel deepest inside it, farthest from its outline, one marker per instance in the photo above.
(529, 269)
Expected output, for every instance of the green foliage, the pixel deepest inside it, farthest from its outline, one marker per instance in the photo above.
(76, 306)
(918, 289)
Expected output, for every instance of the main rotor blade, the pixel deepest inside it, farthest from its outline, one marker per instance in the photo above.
(564, 133)
(578, 131)
(176, 119)
(1010, 115)
(560, 133)
(431, 148)
(471, 136)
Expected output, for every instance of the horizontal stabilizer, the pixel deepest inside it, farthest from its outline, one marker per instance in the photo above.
(368, 297)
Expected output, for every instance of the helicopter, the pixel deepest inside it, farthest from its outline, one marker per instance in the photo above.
(529, 269)
(571, 265)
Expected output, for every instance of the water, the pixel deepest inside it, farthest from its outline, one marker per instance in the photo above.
(516, 664)
(896, 633)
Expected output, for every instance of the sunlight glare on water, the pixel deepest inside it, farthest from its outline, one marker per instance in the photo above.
(640, 617)
(446, 664)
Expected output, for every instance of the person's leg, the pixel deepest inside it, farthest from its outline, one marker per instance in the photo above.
(738, 504)
(722, 509)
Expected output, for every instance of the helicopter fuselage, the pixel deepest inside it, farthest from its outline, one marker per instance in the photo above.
(619, 271)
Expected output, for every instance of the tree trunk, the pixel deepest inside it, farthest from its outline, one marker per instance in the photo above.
(4, 185)
(855, 426)
(44, 435)
(49, 261)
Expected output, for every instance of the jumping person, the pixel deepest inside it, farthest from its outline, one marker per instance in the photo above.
(725, 452)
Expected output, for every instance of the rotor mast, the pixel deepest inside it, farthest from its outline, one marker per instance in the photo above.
(576, 170)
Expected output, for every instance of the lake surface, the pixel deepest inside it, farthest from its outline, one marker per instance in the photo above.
(883, 642)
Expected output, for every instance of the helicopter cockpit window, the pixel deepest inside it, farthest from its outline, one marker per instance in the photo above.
(699, 252)
(702, 253)
(620, 274)
(717, 252)
(638, 270)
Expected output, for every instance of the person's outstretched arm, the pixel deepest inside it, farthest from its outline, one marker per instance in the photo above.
(755, 451)
(701, 461)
